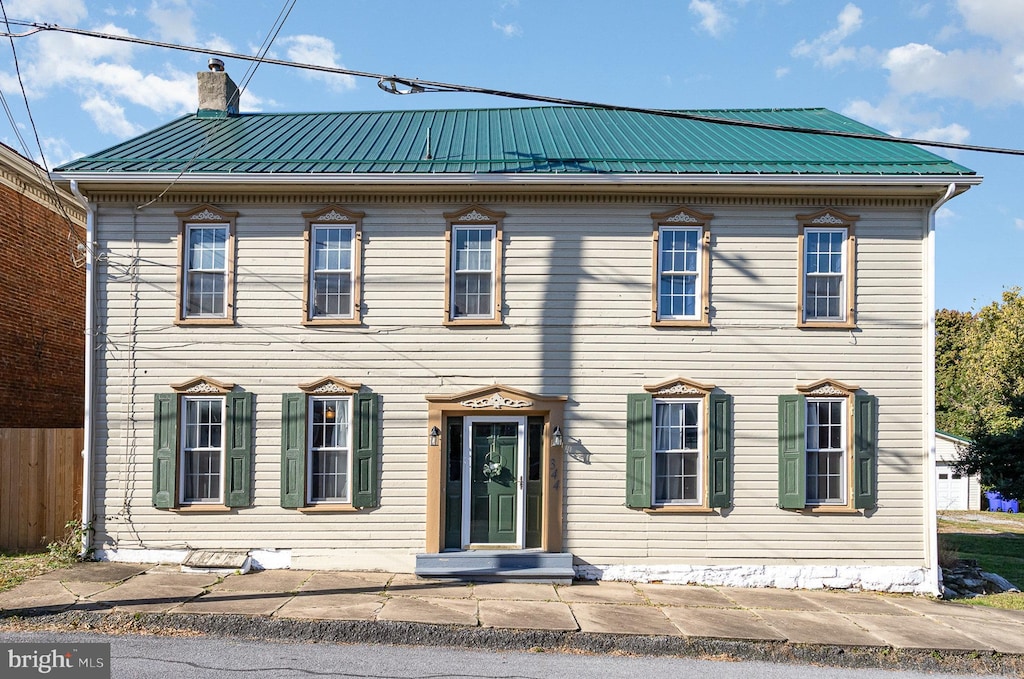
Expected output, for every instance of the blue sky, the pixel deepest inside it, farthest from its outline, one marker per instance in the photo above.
(950, 70)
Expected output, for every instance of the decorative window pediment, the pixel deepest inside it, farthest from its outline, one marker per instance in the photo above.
(474, 213)
(333, 214)
(206, 213)
(827, 217)
(828, 387)
(682, 216)
(330, 385)
(678, 386)
(202, 385)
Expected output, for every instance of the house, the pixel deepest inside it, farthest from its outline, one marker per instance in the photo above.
(494, 341)
(954, 490)
(42, 372)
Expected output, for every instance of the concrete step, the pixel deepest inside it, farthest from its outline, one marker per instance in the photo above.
(498, 566)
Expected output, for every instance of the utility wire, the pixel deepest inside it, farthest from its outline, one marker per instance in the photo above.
(275, 29)
(72, 237)
(393, 84)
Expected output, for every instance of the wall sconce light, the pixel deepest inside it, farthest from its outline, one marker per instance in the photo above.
(556, 437)
(435, 435)
(329, 413)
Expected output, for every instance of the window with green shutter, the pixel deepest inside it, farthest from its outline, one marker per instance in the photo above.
(827, 447)
(330, 446)
(202, 446)
(679, 447)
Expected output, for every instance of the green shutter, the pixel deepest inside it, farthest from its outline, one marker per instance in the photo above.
(865, 455)
(639, 454)
(165, 450)
(792, 453)
(720, 451)
(293, 450)
(238, 492)
(365, 451)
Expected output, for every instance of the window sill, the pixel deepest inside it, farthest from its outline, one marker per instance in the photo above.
(826, 325)
(205, 321)
(831, 509)
(199, 508)
(325, 508)
(332, 322)
(680, 509)
(689, 323)
(455, 322)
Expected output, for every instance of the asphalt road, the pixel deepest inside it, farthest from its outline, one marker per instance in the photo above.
(135, 656)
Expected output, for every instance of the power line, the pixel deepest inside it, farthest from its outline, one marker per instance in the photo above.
(48, 180)
(393, 84)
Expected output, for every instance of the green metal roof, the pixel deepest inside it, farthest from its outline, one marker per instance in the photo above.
(537, 140)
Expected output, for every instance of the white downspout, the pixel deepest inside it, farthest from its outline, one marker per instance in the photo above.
(90, 294)
(931, 519)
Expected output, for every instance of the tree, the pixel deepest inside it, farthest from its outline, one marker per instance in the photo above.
(953, 413)
(990, 378)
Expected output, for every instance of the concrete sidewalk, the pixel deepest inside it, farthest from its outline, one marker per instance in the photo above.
(162, 596)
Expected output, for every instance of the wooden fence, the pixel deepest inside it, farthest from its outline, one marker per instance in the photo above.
(40, 485)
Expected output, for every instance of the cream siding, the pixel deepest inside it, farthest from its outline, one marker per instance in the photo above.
(577, 300)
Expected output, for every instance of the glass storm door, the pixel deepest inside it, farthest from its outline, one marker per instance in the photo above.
(493, 505)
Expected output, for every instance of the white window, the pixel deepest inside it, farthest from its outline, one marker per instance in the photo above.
(824, 274)
(679, 284)
(202, 449)
(329, 449)
(826, 451)
(206, 270)
(331, 281)
(678, 442)
(472, 272)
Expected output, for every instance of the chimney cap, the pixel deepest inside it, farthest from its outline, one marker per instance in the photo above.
(216, 65)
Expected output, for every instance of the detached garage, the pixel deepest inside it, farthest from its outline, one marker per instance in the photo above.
(953, 491)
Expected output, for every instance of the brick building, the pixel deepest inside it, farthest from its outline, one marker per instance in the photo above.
(42, 308)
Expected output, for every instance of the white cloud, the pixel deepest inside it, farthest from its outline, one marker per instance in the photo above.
(1019, 223)
(954, 132)
(827, 49)
(109, 117)
(945, 217)
(52, 11)
(173, 21)
(511, 30)
(781, 72)
(983, 77)
(712, 19)
(317, 50)
(1002, 20)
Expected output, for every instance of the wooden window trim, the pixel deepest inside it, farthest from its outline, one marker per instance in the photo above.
(683, 218)
(206, 214)
(333, 215)
(199, 508)
(474, 216)
(328, 508)
(680, 389)
(834, 390)
(829, 219)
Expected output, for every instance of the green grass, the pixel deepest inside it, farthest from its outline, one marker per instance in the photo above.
(16, 568)
(995, 541)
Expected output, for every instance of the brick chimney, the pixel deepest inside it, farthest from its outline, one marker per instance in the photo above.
(218, 93)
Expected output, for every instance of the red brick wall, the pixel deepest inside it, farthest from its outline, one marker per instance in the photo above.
(42, 317)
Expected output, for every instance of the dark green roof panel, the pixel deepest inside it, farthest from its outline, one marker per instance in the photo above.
(539, 140)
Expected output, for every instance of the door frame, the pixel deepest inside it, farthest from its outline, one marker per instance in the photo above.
(467, 479)
(493, 401)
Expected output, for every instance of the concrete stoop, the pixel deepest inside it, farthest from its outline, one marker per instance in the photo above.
(498, 566)
(220, 561)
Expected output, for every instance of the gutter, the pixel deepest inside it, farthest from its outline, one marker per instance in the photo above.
(933, 575)
(90, 294)
(511, 179)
